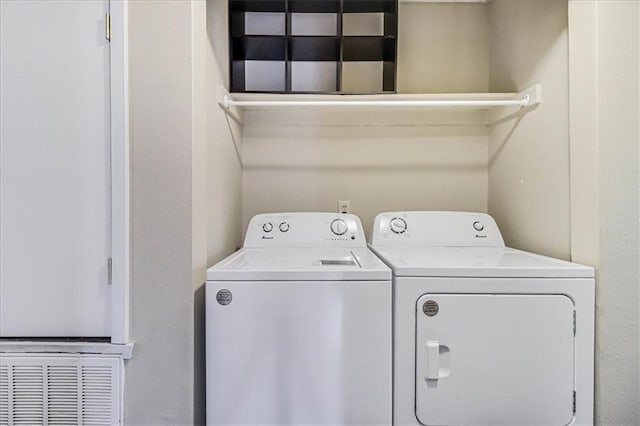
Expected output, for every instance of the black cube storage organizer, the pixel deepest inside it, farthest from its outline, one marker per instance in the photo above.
(313, 46)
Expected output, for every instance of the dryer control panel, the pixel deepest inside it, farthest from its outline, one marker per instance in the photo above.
(436, 229)
(302, 230)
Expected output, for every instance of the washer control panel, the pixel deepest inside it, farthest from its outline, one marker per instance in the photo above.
(437, 229)
(305, 230)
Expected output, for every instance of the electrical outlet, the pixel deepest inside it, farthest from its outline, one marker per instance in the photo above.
(344, 206)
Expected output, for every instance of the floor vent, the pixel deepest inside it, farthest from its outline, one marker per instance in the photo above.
(60, 389)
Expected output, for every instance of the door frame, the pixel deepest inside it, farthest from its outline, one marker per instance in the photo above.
(120, 234)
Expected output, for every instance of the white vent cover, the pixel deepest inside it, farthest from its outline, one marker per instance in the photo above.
(60, 389)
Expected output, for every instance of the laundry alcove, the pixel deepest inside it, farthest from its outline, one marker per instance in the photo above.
(448, 147)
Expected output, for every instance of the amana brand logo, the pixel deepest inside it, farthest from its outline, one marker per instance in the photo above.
(224, 297)
(430, 308)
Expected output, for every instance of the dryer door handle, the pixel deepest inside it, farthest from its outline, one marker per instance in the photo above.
(432, 360)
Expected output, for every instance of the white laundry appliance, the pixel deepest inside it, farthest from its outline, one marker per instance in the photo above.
(484, 334)
(298, 326)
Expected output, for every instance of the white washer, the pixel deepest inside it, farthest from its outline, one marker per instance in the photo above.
(484, 334)
(298, 326)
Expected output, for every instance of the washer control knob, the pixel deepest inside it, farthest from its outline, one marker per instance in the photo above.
(478, 226)
(398, 225)
(339, 227)
(284, 227)
(267, 227)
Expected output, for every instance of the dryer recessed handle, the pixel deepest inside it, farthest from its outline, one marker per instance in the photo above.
(432, 360)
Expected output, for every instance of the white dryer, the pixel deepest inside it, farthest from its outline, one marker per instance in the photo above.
(298, 326)
(484, 334)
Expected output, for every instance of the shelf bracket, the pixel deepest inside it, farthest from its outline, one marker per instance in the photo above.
(531, 98)
(224, 100)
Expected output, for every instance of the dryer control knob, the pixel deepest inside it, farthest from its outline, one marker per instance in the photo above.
(284, 227)
(478, 226)
(267, 227)
(339, 227)
(398, 225)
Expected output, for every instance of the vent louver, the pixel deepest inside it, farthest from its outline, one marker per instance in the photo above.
(28, 391)
(60, 389)
(62, 401)
(4, 395)
(97, 402)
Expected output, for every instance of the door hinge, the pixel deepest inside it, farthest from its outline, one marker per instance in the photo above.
(574, 402)
(109, 271)
(574, 323)
(107, 27)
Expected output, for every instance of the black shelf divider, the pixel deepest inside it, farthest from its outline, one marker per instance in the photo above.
(288, 71)
(369, 6)
(288, 48)
(340, 35)
(257, 5)
(317, 6)
(260, 48)
(314, 48)
(368, 48)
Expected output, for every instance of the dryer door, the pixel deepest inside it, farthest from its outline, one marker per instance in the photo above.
(494, 359)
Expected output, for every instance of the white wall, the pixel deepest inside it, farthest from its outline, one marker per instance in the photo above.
(159, 377)
(529, 159)
(216, 170)
(200, 78)
(186, 196)
(442, 48)
(377, 168)
(303, 162)
(605, 110)
(224, 144)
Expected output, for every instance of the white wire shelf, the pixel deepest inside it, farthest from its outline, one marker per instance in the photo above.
(501, 106)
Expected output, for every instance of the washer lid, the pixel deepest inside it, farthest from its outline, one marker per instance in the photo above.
(300, 264)
(499, 262)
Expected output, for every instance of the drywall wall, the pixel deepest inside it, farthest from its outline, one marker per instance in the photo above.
(186, 199)
(605, 171)
(301, 161)
(199, 158)
(377, 168)
(217, 191)
(529, 158)
(617, 397)
(159, 379)
(442, 48)
(224, 143)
